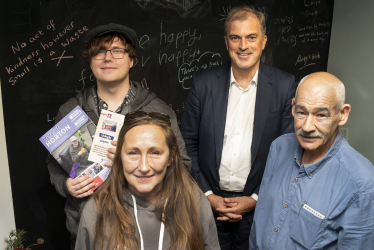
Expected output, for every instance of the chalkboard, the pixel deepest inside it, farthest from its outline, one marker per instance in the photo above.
(41, 68)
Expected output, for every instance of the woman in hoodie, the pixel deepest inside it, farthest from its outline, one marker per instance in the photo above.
(149, 200)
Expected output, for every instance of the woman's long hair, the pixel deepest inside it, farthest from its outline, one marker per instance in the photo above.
(178, 200)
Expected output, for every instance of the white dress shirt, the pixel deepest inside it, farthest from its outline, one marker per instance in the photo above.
(236, 151)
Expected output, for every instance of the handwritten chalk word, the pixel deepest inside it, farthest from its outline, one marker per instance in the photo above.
(21, 62)
(206, 60)
(50, 119)
(325, 24)
(305, 59)
(301, 59)
(91, 78)
(308, 27)
(144, 83)
(13, 80)
(31, 39)
(308, 2)
(187, 56)
(178, 110)
(75, 37)
(26, 70)
(290, 39)
(284, 20)
(60, 57)
(311, 13)
(284, 29)
(18, 48)
(58, 36)
(143, 40)
(143, 61)
(172, 38)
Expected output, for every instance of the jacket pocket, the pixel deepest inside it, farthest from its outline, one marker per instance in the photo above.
(306, 229)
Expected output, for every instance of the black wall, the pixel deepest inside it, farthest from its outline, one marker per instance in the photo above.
(41, 68)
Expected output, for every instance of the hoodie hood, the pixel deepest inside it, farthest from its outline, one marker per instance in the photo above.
(141, 203)
(142, 98)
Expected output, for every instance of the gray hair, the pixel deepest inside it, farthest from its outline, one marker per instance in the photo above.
(339, 90)
(241, 13)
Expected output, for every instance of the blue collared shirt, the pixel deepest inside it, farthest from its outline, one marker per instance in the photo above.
(325, 205)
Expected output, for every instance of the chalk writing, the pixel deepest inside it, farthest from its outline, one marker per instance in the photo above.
(187, 56)
(288, 39)
(144, 83)
(25, 63)
(311, 13)
(91, 78)
(50, 119)
(284, 20)
(311, 3)
(305, 59)
(178, 111)
(60, 57)
(172, 38)
(206, 60)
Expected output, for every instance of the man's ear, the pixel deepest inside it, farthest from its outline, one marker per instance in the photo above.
(293, 106)
(264, 39)
(344, 114)
(226, 42)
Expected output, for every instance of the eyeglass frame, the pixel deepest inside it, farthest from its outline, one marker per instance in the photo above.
(152, 115)
(110, 50)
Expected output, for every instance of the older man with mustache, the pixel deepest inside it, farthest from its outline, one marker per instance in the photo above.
(317, 192)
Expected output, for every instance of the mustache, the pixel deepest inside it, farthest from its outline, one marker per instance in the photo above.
(313, 134)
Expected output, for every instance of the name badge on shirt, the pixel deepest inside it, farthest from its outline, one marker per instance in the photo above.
(312, 211)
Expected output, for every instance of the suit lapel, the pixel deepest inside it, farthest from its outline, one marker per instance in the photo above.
(263, 99)
(220, 93)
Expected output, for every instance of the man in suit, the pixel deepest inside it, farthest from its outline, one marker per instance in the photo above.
(232, 114)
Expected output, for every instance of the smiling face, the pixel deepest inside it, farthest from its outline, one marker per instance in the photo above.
(245, 42)
(110, 70)
(145, 158)
(316, 116)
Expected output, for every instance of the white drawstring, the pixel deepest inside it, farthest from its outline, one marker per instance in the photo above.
(161, 239)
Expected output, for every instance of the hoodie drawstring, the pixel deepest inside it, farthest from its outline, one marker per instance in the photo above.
(161, 239)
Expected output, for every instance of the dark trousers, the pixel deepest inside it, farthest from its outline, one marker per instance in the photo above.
(234, 235)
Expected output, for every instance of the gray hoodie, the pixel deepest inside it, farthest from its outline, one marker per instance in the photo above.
(144, 100)
(149, 224)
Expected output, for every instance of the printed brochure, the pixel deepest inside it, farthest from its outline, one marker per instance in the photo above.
(70, 142)
(108, 128)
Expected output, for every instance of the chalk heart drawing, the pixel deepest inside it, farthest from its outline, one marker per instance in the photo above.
(206, 60)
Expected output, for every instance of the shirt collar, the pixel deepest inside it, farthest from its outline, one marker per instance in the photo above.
(100, 104)
(233, 81)
(311, 168)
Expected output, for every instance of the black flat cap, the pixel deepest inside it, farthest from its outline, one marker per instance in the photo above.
(101, 30)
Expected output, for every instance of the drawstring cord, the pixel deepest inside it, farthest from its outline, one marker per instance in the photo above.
(161, 239)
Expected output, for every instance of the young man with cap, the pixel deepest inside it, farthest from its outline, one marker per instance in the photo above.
(110, 53)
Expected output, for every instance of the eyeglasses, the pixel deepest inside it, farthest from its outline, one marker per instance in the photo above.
(154, 115)
(116, 53)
